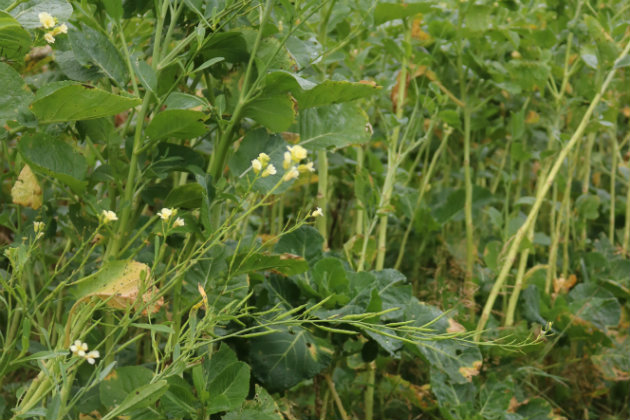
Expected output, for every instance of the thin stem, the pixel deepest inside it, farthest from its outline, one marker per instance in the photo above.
(333, 391)
(322, 193)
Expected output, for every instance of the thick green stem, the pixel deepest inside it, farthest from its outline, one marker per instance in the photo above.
(469, 285)
(322, 193)
(520, 234)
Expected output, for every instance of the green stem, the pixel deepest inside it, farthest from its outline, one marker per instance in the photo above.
(520, 234)
(469, 286)
(322, 193)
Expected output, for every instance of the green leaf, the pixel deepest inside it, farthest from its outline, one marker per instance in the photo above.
(384, 12)
(15, 41)
(305, 242)
(283, 359)
(147, 75)
(180, 100)
(495, 396)
(458, 360)
(592, 303)
(456, 400)
(144, 396)
(334, 126)
(309, 94)
(329, 277)
(187, 196)
(179, 400)
(588, 206)
(27, 13)
(158, 328)
(92, 47)
(114, 9)
(115, 388)
(14, 94)
(227, 380)
(286, 264)
(262, 407)
(178, 123)
(55, 158)
(72, 102)
(274, 112)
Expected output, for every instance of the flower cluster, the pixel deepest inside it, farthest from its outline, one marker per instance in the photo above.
(108, 216)
(38, 228)
(49, 22)
(261, 163)
(166, 215)
(81, 349)
(291, 164)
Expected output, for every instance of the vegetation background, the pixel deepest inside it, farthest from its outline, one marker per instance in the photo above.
(237, 209)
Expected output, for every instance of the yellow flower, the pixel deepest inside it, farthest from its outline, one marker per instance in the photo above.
(308, 167)
(179, 222)
(317, 213)
(39, 226)
(46, 20)
(92, 356)
(79, 348)
(269, 170)
(264, 159)
(291, 174)
(297, 153)
(61, 29)
(48, 36)
(109, 216)
(257, 166)
(287, 160)
(166, 214)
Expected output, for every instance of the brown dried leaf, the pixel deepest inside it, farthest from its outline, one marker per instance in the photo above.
(26, 191)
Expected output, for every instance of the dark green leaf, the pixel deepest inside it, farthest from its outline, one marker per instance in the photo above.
(187, 196)
(227, 381)
(262, 407)
(15, 41)
(385, 12)
(305, 242)
(333, 126)
(78, 102)
(178, 123)
(27, 13)
(274, 112)
(14, 94)
(55, 158)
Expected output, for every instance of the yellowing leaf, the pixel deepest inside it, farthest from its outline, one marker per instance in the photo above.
(26, 191)
(454, 326)
(469, 371)
(120, 283)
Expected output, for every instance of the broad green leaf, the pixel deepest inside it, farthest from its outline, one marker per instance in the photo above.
(329, 278)
(147, 75)
(227, 380)
(305, 242)
(588, 206)
(92, 47)
(71, 67)
(121, 382)
(187, 196)
(285, 264)
(456, 400)
(159, 328)
(455, 201)
(15, 41)
(179, 400)
(262, 407)
(283, 359)
(459, 361)
(180, 100)
(27, 13)
(114, 8)
(309, 94)
(274, 112)
(72, 102)
(55, 158)
(229, 45)
(14, 94)
(494, 397)
(144, 396)
(333, 126)
(173, 157)
(178, 123)
(384, 12)
(598, 306)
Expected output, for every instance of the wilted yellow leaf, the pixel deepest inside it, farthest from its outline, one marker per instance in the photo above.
(454, 326)
(120, 284)
(26, 191)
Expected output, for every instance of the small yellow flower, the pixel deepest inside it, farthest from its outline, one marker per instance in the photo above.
(61, 29)
(166, 214)
(291, 174)
(109, 216)
(269, 170)
(264, 159)
(48, 36)
(79, 348)
(92, 356)
(179, 222)
(257, 166)
(287, 160)
(308, 167)
(46, 20)
(297, 153)
(317, 213)
(39, 226)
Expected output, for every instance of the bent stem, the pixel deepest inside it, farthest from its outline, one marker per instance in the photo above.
(524, 229)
